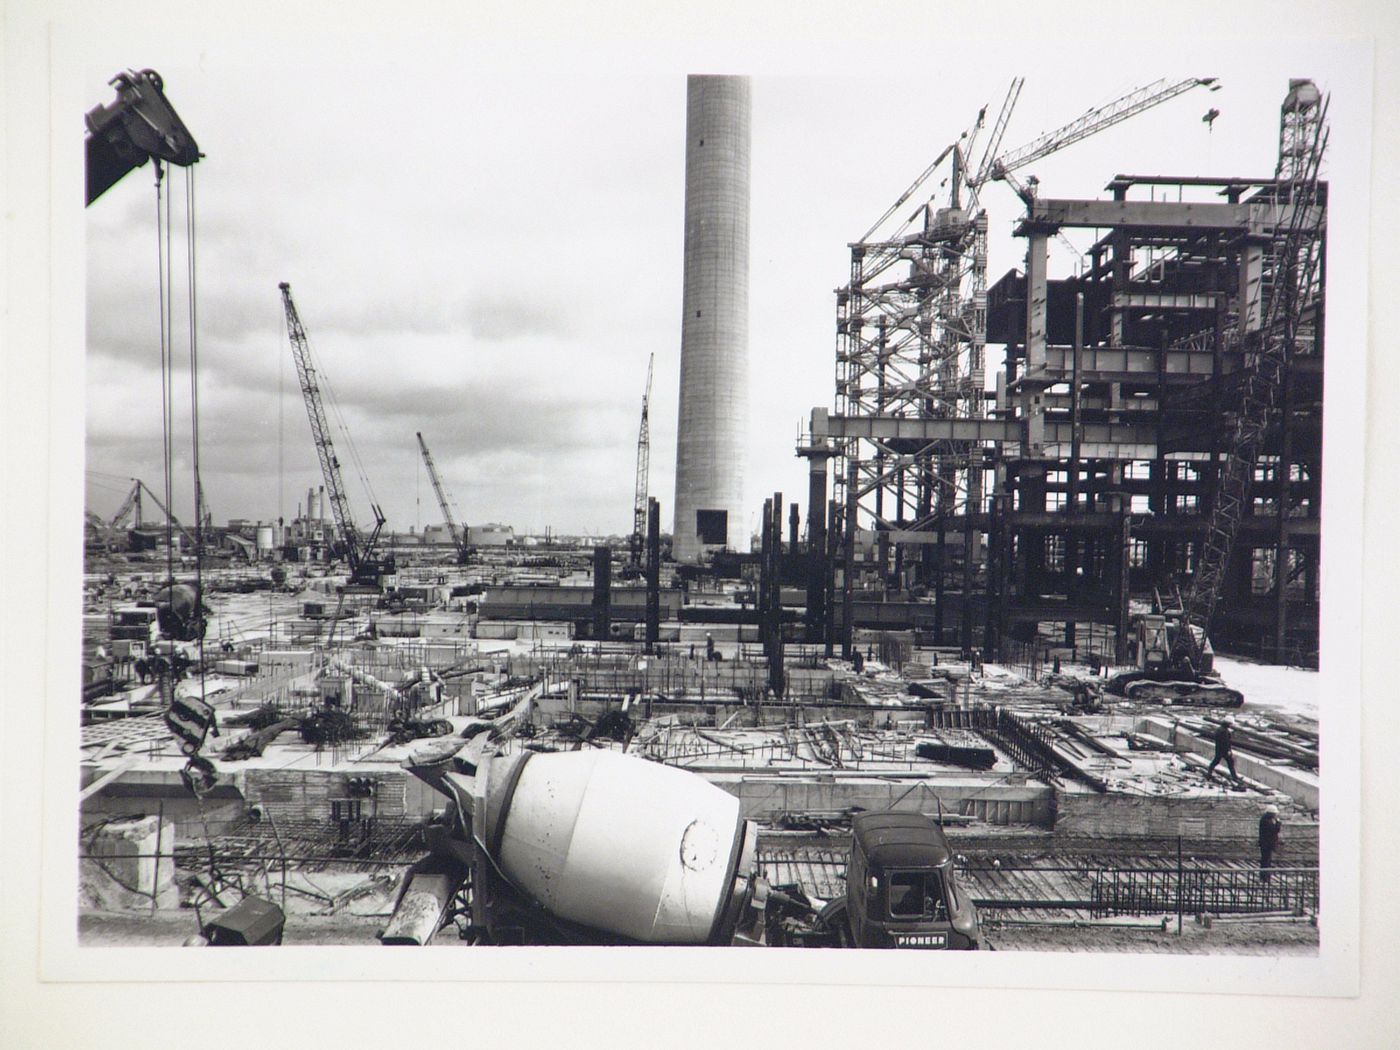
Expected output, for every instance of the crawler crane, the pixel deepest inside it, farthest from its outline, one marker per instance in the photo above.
(366, 568)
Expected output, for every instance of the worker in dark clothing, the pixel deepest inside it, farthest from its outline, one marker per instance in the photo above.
(1269, 827)
(1224, 749)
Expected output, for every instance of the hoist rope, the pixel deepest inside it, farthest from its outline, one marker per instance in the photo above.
(349, 442)
(166, 382)
(190, 291)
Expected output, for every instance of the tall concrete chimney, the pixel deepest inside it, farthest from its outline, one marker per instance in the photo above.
(712, 421)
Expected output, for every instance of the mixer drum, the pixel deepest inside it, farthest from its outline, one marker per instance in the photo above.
(613, 842)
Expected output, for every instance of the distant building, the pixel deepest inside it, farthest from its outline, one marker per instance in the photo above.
(491, 535)
(437, 534)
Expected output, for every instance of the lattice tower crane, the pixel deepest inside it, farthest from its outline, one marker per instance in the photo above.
(1095, 120)
(364, 567)
(994, 167)
(459, 538)
(1288, 286)
(1100, 118)
(639, 500)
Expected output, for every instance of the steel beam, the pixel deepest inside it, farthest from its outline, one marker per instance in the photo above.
(1037, 297)
(1106, 364)
(1002, 431)
(891, 428)
(1256, 219)
(1164, 300)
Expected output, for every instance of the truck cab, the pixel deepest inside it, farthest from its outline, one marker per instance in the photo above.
(901, 891)
(1153, 645)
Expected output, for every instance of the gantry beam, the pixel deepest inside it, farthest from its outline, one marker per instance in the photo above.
(1106, 440)
(890, 428)
(1115, 364)
(1254, 218)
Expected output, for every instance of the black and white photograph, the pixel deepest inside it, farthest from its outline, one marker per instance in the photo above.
(595, 503)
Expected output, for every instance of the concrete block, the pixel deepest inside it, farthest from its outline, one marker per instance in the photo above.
(1127, 816)
(120, 869)
(1301, 785)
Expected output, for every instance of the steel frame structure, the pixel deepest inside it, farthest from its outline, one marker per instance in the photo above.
(1224, 505)
(911, 331)
(1156, 434)
(911, 337)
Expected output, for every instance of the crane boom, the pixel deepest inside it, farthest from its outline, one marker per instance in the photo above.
(133, 503)
(1293, 258)
(639, 498)
(165, 510)
(1091, 123)
(459, 539)
(359, 551)
(909, 192)
(1013, 93)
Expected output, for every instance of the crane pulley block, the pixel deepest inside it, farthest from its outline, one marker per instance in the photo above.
(138, 125)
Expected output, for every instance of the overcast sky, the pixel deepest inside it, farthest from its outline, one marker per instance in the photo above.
(485, 245)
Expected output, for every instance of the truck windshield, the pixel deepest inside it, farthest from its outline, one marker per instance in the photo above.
(916, 895)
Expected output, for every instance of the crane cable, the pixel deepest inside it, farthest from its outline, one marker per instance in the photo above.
(166, 383)
(190, 289)
(347, 442)
(197, 765)
(165, 259)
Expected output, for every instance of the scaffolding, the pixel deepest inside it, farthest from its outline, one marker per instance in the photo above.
(911, 335)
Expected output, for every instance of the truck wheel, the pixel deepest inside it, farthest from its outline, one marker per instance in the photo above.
(835, 919)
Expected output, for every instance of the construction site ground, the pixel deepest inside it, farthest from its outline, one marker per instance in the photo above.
(1083, 854)
(1272, 937)
(1007, 870)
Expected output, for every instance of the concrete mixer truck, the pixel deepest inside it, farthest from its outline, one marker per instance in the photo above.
(599, 847)
(180, 612)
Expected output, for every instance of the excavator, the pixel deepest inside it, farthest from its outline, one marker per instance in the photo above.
(1165, 676)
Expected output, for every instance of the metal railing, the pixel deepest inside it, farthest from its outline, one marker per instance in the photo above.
(1198, 890)
(1154, 887)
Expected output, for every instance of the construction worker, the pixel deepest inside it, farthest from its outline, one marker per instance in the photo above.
(1224, 749)
(1269, 827)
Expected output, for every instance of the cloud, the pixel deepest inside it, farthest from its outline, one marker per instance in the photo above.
(501, 318)
(488, 251)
